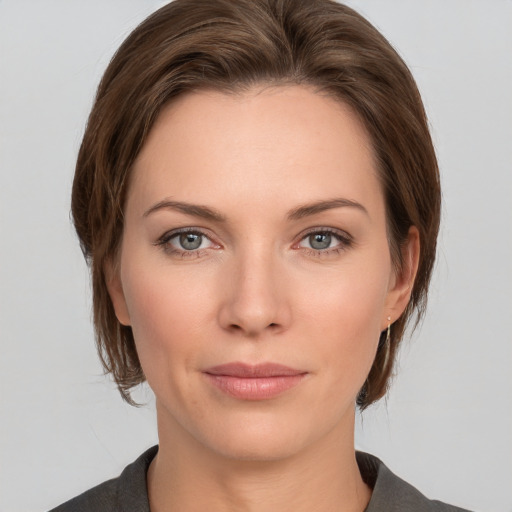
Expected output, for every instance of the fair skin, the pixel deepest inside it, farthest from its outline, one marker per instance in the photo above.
(284, 260)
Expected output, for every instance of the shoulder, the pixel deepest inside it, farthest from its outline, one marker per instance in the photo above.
(103, 498)
(391, 493)
(127, 492)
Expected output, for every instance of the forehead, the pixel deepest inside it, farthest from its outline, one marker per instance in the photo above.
(268, 144)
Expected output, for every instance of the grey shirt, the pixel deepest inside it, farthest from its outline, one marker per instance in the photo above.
(128, 492)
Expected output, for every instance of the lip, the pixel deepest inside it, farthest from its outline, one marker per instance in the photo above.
(254, 382)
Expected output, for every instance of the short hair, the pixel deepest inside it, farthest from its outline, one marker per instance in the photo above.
(229, 46)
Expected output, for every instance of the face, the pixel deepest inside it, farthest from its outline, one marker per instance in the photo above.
(255, 269)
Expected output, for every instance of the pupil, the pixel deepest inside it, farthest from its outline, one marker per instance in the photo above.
(190, 241)
(320, 241)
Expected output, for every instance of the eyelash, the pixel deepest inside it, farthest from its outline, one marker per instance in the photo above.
(344, 239)
(164, 243)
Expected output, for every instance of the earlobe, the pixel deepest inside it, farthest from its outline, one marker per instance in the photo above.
(115, 290)
(400, 293)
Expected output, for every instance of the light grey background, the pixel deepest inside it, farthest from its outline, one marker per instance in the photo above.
(447, 424)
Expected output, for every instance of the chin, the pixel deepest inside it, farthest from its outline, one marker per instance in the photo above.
(263, 436)
(258, 446)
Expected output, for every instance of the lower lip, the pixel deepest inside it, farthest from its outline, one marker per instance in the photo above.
(254, 388)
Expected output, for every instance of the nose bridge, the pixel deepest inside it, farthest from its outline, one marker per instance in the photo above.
(255, 301)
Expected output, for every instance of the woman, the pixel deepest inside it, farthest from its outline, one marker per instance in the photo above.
(258, 197)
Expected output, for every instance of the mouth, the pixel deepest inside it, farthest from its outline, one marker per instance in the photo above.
(254, 382)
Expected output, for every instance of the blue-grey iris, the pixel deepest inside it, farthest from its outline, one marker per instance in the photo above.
(190, 241)
(320, 240)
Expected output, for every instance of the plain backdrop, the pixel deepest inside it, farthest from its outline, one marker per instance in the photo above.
(446, 425)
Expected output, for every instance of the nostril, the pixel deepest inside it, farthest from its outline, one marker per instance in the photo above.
(238, 328)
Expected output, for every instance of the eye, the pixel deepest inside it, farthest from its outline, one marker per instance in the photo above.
(185, 242)
(325, 240)
(189, 241)
(320, 241)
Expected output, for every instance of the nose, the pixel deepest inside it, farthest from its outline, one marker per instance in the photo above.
(255, 297)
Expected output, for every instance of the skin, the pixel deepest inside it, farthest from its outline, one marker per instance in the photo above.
(257, 291)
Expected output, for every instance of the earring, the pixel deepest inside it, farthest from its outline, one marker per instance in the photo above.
(388, 333)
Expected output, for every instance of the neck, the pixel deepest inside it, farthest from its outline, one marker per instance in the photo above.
(323, 477)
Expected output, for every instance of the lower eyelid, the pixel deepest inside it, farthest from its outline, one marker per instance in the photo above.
(184, 254)
(334, 251)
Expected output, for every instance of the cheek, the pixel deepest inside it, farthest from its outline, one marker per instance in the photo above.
(343, 314)
(167, 313)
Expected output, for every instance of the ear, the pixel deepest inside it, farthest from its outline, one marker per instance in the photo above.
(402, 282)
(115, 290)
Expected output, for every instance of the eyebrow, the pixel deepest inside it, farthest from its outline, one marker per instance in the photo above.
(195, 210)
(208, 213)
(321, 206)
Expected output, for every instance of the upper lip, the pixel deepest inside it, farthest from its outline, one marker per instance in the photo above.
(244, 370)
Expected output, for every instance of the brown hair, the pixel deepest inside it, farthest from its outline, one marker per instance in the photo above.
(230, 45)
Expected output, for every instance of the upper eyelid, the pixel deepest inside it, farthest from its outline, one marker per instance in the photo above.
(332, 231)
(205, 231)
(324, 230)
(188, 229)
